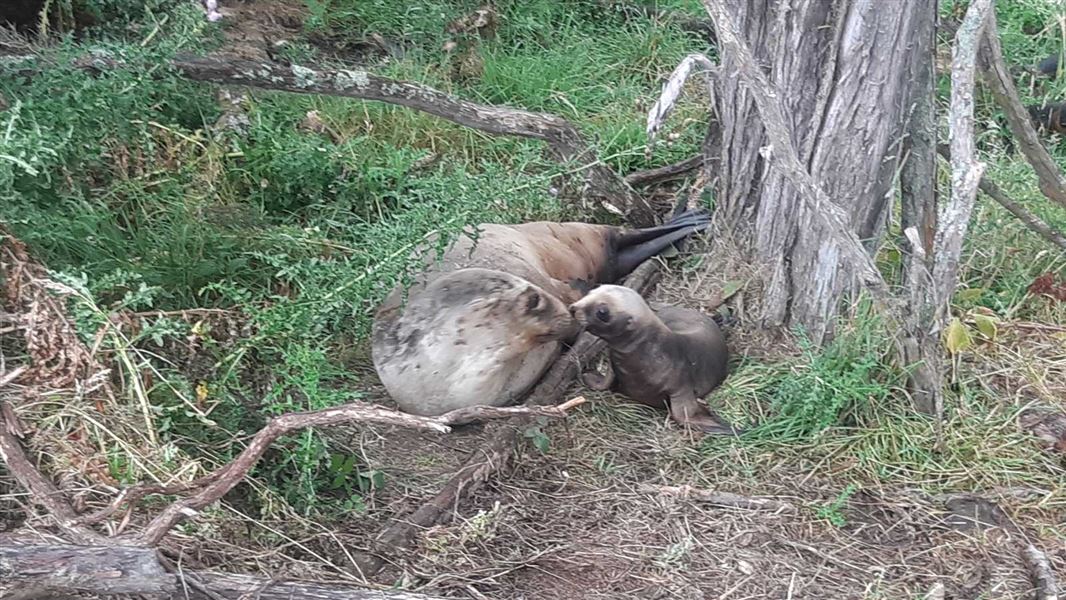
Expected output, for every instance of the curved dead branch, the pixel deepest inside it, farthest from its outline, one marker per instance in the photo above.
(563, 138)
(998, 78)
(226, 478)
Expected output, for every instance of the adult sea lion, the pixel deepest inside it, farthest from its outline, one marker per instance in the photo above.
(666, 357)
(483, 324)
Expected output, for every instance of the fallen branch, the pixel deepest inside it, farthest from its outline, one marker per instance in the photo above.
(41, 490)
(1032, 221)
(12, 375)
(58, 570)
(664, 173)
(498, 451)
(227, 477)
(718, 498)
(1041, 572)
(1001, 84)
(564, 140)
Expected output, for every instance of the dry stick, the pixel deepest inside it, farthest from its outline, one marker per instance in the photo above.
(230, 475)
(1041, 572)
(497, 452)
(966, 170)
(664, 173)
(57, 570)
(719, 498)
(6, 378)
(41, 490)
(564, 139)
(997, 77)
(1032, 221)
(132, 495)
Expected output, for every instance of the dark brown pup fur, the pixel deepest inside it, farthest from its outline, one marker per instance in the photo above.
(666, 357)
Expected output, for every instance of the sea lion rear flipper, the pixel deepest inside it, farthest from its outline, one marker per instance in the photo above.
(636, 246)
(687, 410)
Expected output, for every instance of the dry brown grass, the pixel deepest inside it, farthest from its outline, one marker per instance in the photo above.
(878, 513)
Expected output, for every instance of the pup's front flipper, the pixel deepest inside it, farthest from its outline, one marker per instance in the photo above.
(688, 411)
(597, 381)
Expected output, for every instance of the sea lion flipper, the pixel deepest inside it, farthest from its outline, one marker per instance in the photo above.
(688, 411)
(600, 382)
(636, 246)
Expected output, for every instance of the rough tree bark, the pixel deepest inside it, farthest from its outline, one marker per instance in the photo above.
(918, 214)
(841, 68)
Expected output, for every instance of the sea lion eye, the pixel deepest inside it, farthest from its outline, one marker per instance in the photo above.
(533, 301)
(603, 314)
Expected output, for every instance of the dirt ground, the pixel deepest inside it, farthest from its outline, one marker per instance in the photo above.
(594, 516)
(605, 513)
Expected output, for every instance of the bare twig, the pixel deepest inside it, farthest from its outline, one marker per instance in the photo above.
(227, 477)
(41, 490)
(1001, 84)
(1041, 572)
(671, 91)
(719, 498)
(1032, 221)
(665, 173)
(12, 375)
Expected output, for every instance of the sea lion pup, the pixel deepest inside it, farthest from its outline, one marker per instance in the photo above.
(666, 357)
(484, 323)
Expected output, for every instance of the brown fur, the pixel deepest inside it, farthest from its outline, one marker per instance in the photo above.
(667, 357)
(465, 337)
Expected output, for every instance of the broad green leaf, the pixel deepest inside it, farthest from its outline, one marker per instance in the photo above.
(986, 325)
(730, 288)
(958, 338)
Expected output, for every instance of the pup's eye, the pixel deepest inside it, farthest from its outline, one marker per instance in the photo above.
(603, 314)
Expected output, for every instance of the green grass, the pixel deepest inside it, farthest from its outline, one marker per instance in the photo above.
(149, 207)
(120, 182)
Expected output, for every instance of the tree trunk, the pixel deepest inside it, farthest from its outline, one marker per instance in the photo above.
(842, 69)
(918, 216)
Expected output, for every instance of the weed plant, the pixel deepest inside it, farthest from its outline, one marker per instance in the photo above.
(125, 184)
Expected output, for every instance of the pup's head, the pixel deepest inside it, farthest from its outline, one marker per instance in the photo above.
(610, 311)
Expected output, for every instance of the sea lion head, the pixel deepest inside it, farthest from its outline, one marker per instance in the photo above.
(611, 312)
(543, 317)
